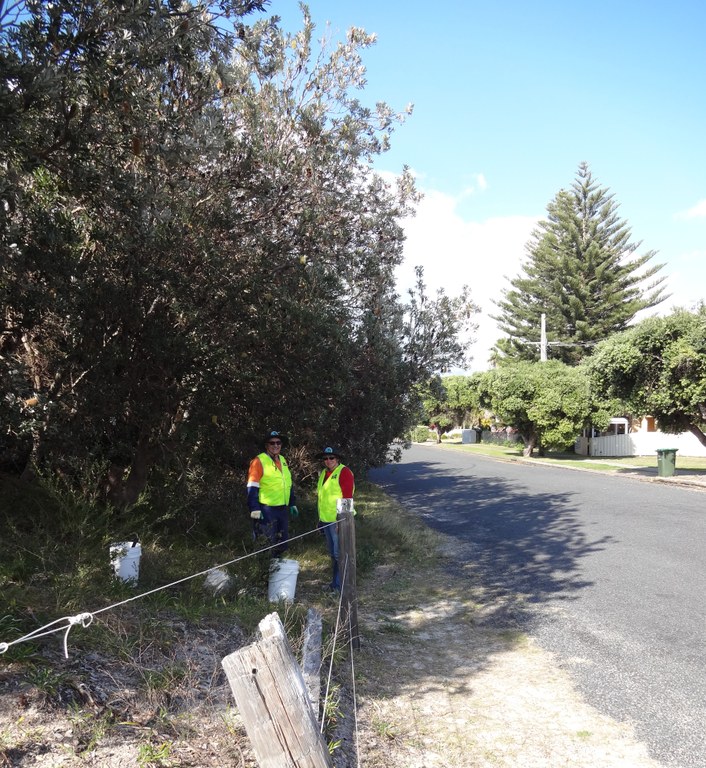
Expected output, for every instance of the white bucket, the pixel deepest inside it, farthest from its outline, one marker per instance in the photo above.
(283, 580)
(125, 559)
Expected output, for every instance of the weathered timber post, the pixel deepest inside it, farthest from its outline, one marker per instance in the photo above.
(347, 569)
(272, 698)
(311, 657)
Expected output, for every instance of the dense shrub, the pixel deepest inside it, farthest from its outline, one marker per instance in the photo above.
(420, 434)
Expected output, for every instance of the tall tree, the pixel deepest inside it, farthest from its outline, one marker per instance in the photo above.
(582, 272)
(194, 244)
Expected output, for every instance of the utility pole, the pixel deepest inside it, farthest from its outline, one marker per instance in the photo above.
(543, 340)
(544, 344)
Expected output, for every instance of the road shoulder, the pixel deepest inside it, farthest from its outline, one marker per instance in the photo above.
(443, 681)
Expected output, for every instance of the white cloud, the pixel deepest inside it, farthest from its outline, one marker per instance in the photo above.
(456, 252)
(478, 184)
(685, 281)
(698, 211)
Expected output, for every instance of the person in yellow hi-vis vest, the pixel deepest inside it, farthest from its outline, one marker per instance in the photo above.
(336, 481)
(270, 494)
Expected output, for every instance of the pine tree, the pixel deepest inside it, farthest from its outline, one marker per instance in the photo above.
(582, 273)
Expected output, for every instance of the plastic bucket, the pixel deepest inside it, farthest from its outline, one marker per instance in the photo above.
(283, 580)
(125, 559)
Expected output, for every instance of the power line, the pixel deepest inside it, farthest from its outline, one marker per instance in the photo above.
(543, 343)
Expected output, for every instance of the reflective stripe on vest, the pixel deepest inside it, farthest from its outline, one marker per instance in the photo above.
(275, 486)
(328, 493)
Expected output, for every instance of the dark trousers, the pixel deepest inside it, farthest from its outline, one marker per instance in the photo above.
(275, 526)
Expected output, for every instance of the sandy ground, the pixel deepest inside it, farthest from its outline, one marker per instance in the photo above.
(439, 687)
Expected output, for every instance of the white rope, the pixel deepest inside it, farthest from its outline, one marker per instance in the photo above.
(85, 619)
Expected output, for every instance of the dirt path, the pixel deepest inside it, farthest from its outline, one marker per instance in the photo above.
(438, 685)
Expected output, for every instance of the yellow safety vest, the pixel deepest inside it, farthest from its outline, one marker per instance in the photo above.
(328, 493)
(275, 485)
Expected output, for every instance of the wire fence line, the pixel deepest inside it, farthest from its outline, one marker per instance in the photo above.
(337, 630)
(66, 623)
(85, 619)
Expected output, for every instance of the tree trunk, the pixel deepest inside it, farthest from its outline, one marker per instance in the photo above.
(124, 491)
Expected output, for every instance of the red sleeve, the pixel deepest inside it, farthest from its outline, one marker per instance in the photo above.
(347, 483)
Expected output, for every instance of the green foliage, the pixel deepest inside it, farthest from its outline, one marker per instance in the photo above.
(420, 434)
(451, 401)
(194, 249)
(581, 272)
(658, 368)
(548, 403)
(89, 728)
(154, 755)
(434, 329)
(46, 680)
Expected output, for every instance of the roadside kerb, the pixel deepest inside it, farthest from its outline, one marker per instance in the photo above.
(692, 481)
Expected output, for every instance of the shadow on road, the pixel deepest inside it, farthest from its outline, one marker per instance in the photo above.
(520, 547)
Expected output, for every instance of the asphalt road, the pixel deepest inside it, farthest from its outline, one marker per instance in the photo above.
(608, 573)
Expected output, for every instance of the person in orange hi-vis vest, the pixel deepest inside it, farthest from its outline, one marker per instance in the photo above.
(270, 493)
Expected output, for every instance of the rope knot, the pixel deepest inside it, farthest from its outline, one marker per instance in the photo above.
(84, 619)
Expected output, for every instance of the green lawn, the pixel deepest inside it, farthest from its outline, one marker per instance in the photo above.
(608, 463)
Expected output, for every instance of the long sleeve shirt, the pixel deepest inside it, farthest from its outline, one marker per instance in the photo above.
(253, 488)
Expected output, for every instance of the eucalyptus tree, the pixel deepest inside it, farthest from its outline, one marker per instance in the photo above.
(583, 272)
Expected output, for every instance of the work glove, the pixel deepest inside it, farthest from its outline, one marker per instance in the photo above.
(294, 512)
(256, 514)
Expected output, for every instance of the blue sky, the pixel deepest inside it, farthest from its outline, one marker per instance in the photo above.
(509, 98)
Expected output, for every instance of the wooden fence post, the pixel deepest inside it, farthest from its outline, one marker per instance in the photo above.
(272, 698)
(311, 657)
(347, 569)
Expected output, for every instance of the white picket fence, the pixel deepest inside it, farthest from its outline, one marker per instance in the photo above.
(639, 444)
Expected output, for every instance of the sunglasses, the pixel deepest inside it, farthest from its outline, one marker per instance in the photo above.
(275, 442)
(331, 458)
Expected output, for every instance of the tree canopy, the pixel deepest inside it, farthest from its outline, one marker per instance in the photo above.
(583, 272)
(548, 403)
(451, 401)
(195, 247)
(658, 368)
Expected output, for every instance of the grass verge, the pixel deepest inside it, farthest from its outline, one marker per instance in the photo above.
(147, 673)
(607, 464)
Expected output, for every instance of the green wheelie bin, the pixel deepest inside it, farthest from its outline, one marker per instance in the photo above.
(666, 461)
